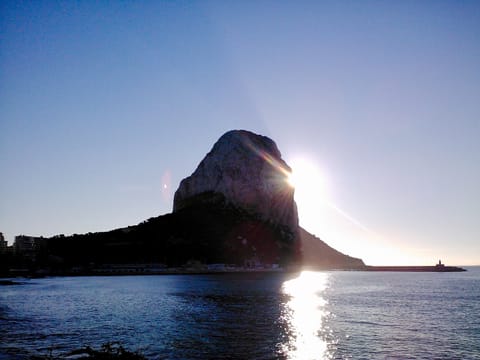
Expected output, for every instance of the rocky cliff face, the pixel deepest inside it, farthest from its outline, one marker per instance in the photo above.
(247, 170)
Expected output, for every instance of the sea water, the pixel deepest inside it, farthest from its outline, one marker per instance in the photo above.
(309, 315)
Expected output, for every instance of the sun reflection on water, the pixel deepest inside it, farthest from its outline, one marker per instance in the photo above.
(304, 316)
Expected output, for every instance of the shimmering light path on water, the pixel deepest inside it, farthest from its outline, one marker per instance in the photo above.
(313, 315)
(304, 315)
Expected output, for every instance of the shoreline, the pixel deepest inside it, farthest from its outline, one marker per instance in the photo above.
(23, 273)
(115, 272)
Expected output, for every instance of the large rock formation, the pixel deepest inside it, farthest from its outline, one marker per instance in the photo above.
(243, 180)
(248, 171)
(236, 208)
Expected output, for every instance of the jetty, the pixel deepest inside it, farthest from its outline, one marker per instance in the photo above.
(439, 267)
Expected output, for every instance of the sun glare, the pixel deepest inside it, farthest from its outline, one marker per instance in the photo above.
(307, 179)
(319, 213)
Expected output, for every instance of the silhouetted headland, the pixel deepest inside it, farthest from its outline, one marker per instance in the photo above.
(236, 212)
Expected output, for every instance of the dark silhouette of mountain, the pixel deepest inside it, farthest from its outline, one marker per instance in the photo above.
(236, 208)
(316, 254)
(213, 232)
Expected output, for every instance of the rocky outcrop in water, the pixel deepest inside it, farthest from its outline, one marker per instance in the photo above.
(248, 171)
(236, 208)
(245, 178)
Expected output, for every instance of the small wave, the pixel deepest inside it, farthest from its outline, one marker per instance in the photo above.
(360, 322)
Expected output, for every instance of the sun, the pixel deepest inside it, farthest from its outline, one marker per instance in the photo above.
(309, 182)
(293, 179)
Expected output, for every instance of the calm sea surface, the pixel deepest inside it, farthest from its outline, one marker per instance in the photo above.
(312, 315)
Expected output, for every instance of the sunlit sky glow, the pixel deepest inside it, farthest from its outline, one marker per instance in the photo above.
(106, 106)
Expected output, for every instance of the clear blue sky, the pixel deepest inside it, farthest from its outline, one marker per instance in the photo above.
(104, 103)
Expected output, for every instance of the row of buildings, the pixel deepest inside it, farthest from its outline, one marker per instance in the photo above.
(23, 245)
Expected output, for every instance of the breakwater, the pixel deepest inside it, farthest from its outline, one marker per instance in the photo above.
(435, 268)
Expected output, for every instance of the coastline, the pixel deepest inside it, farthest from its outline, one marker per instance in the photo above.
(140, 271)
